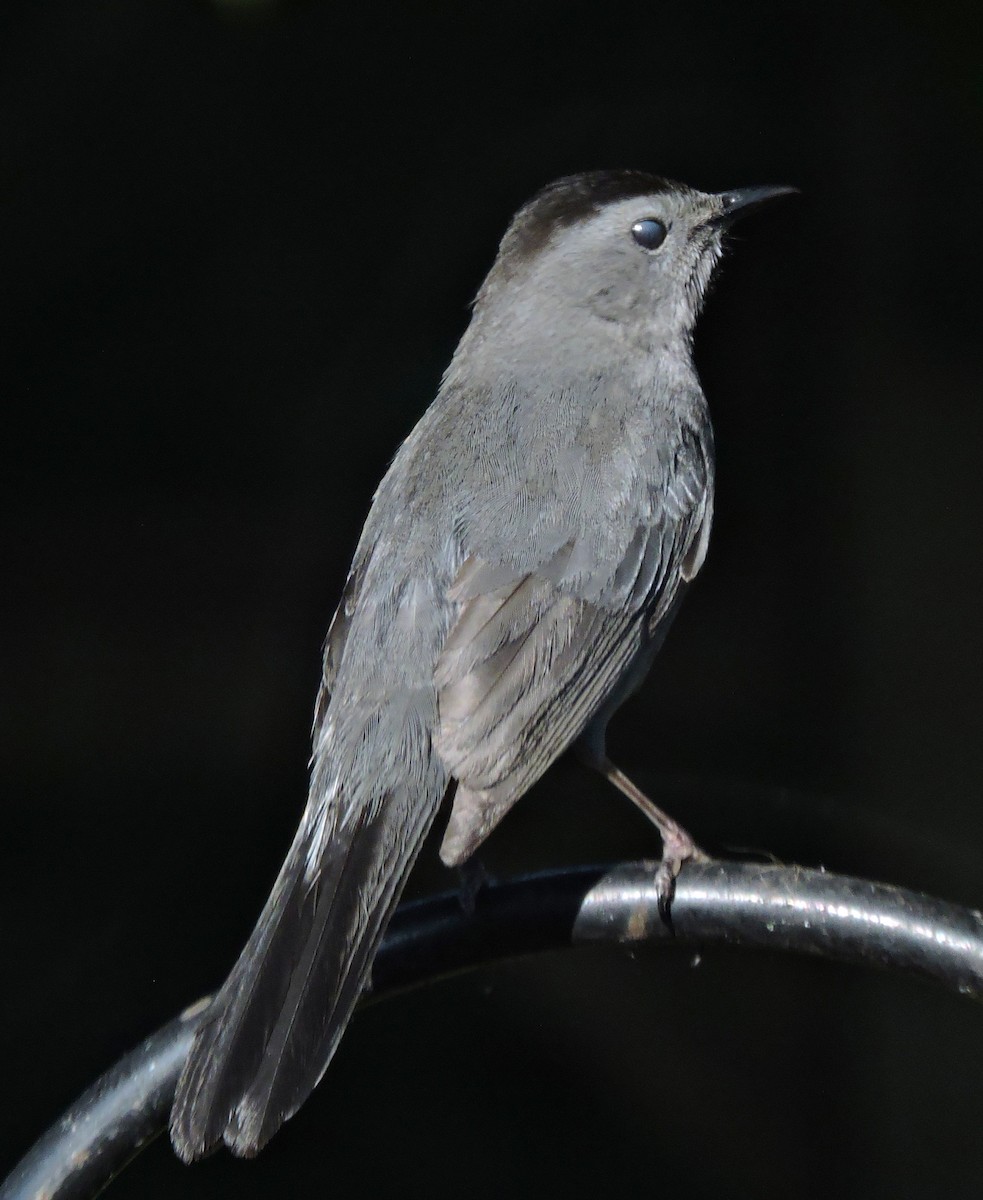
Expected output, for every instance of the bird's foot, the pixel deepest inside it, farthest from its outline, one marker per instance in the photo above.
(472, 876)
(677, 848)
(677, 845)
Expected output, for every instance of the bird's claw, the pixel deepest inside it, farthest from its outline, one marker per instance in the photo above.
(665, 887)
(677, 848)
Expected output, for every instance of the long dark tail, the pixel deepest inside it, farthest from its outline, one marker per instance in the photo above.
(274, 1026)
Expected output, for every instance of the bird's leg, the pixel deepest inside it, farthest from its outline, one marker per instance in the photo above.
(677, 845)
(472, 876)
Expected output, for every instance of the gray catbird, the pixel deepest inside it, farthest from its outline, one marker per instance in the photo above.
(520, 565)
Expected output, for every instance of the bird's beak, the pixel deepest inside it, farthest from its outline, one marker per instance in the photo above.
(741, 201)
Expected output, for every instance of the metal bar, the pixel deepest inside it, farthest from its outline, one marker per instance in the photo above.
(781, 908)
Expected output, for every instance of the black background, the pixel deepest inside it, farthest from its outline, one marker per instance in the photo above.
(237, 243)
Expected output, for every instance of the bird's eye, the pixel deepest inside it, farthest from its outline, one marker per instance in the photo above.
(650, 233)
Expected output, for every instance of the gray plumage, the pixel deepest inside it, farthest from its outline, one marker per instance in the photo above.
(519, 566)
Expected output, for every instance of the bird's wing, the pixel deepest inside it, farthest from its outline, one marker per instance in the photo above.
(533, 654)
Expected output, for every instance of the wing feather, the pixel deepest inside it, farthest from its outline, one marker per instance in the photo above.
(529, 659)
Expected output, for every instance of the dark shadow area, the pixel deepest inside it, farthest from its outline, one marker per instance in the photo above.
(237, 244)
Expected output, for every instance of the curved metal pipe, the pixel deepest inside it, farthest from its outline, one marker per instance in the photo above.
(783, 908)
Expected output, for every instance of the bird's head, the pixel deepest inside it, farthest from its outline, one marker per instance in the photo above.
(621, 249)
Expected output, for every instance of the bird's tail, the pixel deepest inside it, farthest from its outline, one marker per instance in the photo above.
(272, 1029)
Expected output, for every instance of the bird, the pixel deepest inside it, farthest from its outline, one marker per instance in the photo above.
(520, 565)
